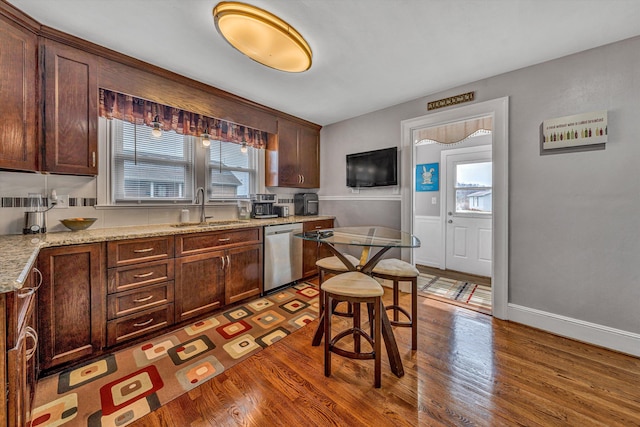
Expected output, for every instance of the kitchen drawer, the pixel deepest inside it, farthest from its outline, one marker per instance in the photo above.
(196, 243)
(135, 276)
(317, 225)
(129, 302)
(127, 252)
(139, 324)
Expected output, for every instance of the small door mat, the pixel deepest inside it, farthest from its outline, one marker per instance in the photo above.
(458, 292)
(123, 386)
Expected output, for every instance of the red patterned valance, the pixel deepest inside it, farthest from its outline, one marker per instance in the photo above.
(141, 111)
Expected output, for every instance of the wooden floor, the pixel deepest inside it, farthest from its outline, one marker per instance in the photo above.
(469, 370)
(455, 275)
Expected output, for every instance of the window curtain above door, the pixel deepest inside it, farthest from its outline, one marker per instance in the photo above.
(455, 132)
(114, 105)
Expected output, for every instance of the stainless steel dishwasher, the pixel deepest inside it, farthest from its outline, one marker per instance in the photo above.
(282, 255)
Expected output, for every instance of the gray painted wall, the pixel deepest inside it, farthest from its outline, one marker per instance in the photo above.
(574, 230)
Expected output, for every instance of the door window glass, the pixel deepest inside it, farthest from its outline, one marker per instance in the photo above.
(473, 187)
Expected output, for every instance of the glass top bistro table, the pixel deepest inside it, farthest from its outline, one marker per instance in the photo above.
(366, 237)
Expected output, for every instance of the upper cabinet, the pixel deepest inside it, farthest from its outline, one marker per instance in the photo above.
(18, 100)
(70, 110)
(293, 157)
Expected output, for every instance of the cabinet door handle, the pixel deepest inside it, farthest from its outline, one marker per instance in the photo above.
(137, 325)
(141, 251)
(228, 262)
(223, 262)
(302, 179)
(25, 292)
(143, 299)
(31, 333)
(140, 276)
(93, 155)
(224, 240)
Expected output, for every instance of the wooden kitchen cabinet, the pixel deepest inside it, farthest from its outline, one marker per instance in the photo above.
(70, 110)
(215, 269)
(21, 355)
(313, 251)
(18, 97)
(71, 302)
(293, 157)
(140, 287)
(243, 274)
(199, 284)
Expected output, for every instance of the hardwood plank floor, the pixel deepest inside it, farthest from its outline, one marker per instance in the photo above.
(469, 370)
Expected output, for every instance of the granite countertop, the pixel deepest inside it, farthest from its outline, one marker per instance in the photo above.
(18, 253)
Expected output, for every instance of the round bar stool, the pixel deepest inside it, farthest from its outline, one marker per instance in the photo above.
(333, 265)
(356, 288)
(397, 271)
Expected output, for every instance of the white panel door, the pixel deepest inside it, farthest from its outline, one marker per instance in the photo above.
(468, 210)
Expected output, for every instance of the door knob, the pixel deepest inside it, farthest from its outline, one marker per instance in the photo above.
(450, 221)
(450, 213)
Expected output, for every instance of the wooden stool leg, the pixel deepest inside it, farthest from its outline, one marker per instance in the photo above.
(327, 336)
(377, 337)
(396, 299)
(356, 326)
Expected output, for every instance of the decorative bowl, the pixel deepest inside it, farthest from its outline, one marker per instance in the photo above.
(77, 224)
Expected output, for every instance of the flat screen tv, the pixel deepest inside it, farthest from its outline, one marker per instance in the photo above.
(376, 168)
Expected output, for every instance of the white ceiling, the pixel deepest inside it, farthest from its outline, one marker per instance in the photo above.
(367, 54)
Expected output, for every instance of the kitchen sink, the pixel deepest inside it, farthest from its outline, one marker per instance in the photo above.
(205, 224)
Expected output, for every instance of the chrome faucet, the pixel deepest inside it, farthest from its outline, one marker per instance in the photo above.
(199, 190)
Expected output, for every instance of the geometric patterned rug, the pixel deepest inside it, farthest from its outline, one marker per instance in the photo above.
(458, 292)
(126, 385)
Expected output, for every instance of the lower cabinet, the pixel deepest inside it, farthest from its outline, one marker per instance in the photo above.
(243, 274)
(71, 300)
(313, 251)
(199, 284)
(215, 269)
(21, 357)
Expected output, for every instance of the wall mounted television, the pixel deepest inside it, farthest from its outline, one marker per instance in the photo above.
(376, 168)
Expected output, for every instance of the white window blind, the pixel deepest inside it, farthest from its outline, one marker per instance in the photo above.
(150, 169)
(231, 173)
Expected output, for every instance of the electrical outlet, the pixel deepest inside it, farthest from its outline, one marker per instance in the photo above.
(63, 202)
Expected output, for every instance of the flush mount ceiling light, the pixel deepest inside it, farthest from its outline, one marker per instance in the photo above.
(263, 37)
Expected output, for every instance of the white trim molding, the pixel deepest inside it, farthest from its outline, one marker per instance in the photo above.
(592, 333)
(498, 109)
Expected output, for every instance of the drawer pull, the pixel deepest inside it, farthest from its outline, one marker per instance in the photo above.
(31, 333)
(143, 299)
(137, 325)
(140, 276)
(141, 251)
(318, 226)
(224, 240)
(25, 292)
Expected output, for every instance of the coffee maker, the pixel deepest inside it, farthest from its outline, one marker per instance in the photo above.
(262, 206)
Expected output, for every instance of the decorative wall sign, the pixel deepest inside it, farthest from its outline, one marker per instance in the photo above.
(427, 177)
(452, 100)
(574, 131)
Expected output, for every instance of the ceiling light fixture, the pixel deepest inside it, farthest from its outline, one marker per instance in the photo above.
(157, 130)
(262, 36)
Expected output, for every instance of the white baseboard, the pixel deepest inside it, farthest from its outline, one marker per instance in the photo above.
(592, 333)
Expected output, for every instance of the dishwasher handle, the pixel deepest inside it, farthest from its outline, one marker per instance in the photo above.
(284, 231)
